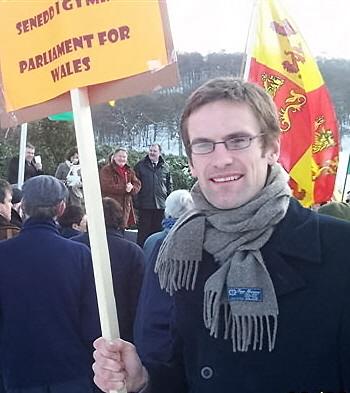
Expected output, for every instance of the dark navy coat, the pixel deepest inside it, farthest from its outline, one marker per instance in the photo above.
(152, 322)
(308, 260)
(127, 265)
(48, 308)
(156, 184)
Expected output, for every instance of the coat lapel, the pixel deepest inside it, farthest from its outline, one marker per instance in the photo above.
(296, 239)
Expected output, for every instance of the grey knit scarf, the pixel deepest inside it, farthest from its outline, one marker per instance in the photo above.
(240, 293)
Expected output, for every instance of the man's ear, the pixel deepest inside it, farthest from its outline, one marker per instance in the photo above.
(273, 152)
(60, 208)
(192, 169)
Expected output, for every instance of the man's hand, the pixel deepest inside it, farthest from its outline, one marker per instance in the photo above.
(38, 166)
(129, 187)
(117, 364)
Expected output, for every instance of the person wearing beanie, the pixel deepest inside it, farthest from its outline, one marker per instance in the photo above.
(48, 309)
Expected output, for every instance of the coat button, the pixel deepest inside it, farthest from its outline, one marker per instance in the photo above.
(207, 372)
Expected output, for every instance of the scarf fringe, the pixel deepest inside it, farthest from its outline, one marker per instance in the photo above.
(174, 275)
(244, 330)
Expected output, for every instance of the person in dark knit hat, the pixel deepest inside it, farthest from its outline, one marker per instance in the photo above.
(48, 308)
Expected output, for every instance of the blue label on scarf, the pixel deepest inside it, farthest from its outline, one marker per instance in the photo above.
(245, 294)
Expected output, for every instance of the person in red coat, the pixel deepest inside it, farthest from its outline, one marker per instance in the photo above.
(118, 181)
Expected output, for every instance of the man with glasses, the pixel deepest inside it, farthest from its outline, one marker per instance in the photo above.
(259, 284)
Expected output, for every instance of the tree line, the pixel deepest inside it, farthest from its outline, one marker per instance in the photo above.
(136, 122)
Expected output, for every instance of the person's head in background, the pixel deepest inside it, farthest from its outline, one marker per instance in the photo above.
(177, 203)
(30, 151)
(336, 209)
(154, 152)
(73, 155)
(73, 218)
(44, 197)
(113, 213)
(16, 211)
(16, 196)
(5, 199)
(120, 157)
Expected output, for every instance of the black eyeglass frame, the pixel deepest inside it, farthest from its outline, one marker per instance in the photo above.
(248, 138)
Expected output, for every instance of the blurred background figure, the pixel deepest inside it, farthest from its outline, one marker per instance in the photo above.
(336, 209)
(72, 222)
(16, 211)
(347, 200)
(32, 165)
(69, 172)
(7, 229)
(127, 264)
(118, 181)
(49, 315)
(155, 177)
(152, 330)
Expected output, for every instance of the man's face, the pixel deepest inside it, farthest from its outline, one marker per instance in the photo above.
(29, 154)
(154, 153)
(229, 179)
(5, 207)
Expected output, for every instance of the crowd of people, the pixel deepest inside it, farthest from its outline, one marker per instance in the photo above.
(231, 285)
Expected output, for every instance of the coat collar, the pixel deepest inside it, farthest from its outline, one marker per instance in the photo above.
(115, 232)
(36, 223)
(149, 162)
(296, 238)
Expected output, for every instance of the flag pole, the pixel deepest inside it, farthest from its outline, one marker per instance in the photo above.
(93, 203)
(346, 178)
(245, 66)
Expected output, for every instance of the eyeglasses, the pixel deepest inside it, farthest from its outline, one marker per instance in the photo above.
(234, 143)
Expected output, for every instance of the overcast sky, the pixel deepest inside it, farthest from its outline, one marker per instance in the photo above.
(214, 25)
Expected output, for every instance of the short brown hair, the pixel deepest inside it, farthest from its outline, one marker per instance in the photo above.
(113, 213)
(71, 152)
(236, 91)
(29, 146)
(72, 215)
(4, 186)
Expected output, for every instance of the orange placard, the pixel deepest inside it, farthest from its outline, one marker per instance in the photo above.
(49, 47)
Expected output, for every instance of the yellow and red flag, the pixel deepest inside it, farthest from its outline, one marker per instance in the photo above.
(281, 62)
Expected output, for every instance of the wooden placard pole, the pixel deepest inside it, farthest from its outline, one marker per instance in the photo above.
(94, 210)
(22, 153)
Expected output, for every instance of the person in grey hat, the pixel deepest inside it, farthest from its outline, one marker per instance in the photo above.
(48, 308)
